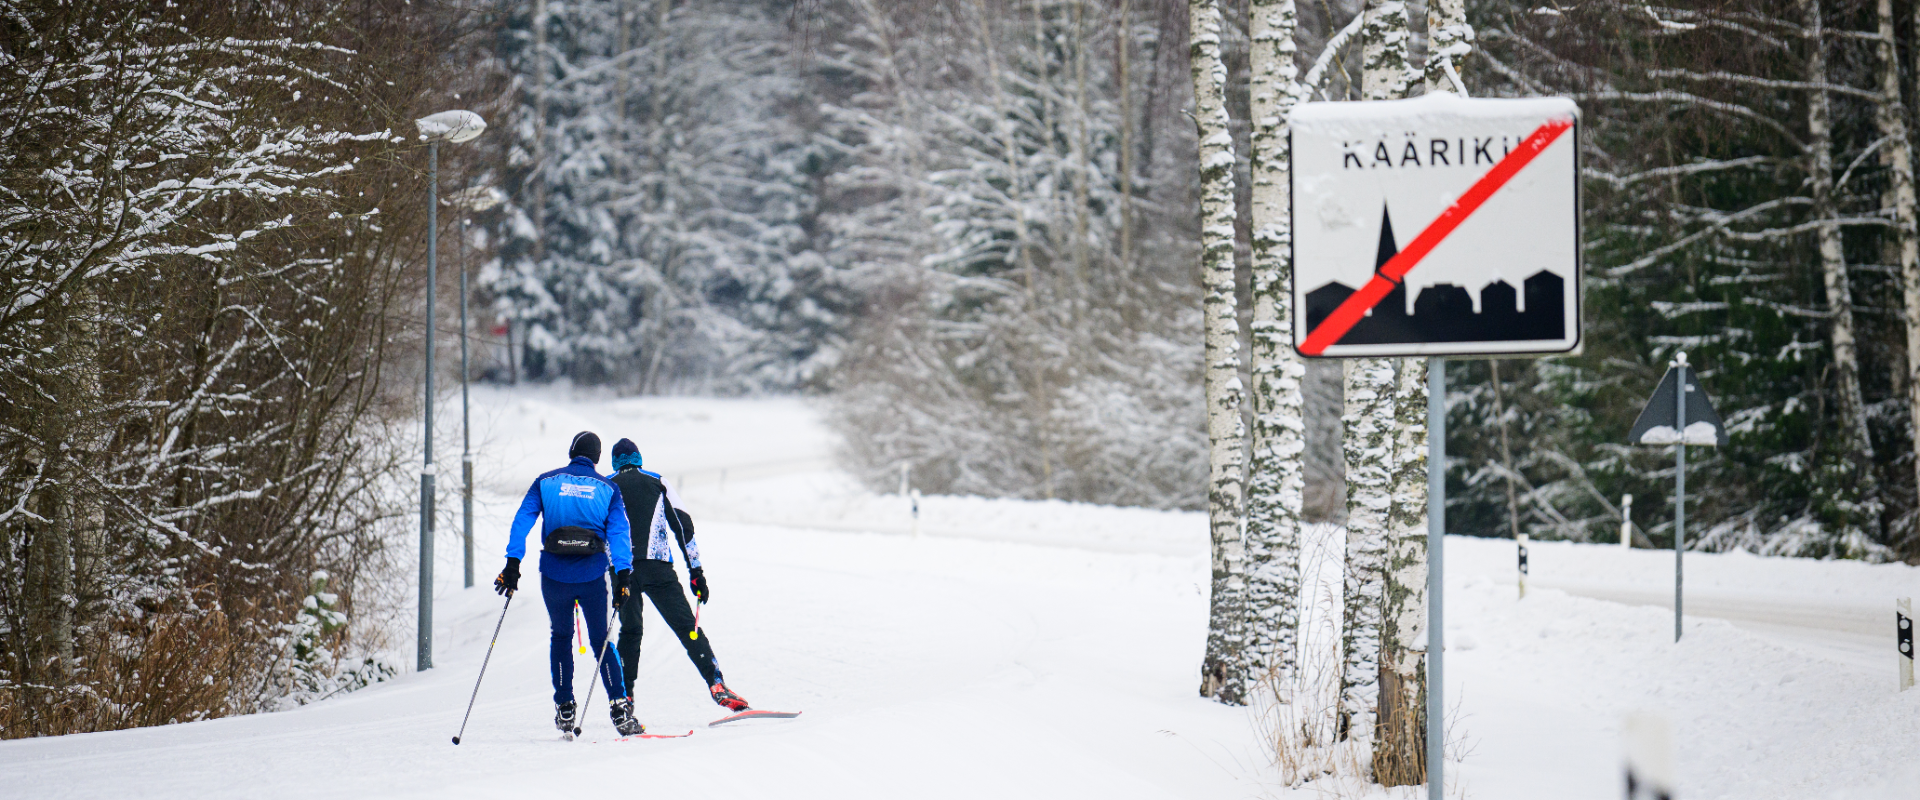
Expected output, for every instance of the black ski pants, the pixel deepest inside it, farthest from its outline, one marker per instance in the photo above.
(656, 580)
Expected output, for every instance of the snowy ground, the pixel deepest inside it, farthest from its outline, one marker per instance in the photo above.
(1024, 649)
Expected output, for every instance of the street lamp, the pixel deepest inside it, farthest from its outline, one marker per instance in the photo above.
(454, 127)
(477, 198)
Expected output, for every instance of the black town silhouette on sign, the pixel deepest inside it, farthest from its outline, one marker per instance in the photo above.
(1444, 312)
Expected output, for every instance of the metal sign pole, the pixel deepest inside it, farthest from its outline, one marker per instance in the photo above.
(1679, 488)
(1436, 549)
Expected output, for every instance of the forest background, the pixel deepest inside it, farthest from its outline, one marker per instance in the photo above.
(970, 226)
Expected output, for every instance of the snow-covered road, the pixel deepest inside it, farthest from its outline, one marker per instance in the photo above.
(932, 667)
(1025, 649)
(1843, 631)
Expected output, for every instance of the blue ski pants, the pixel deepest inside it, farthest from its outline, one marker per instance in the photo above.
(594, 608)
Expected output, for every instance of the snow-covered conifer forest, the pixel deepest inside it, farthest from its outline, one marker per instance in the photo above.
(1002, 242)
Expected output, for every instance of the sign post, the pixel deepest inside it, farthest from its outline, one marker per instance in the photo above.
(1679, 414)
(1491, 187)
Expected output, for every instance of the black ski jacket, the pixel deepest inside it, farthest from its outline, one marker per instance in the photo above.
(653, 516)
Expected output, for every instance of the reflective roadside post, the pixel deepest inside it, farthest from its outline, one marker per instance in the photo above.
(1522, 542)
(1903, 639)
(1626, 521)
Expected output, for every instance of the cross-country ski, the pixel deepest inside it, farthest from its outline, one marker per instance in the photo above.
(644, 736)
(752, 713)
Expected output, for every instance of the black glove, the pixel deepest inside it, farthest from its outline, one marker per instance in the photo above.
(698, 583)
(622, 581)
(509, 580)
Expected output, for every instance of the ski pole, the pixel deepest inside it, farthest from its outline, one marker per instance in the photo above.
(597, 664)
(697, 607)
(483, 667)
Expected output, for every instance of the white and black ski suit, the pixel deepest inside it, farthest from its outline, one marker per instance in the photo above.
(658, 523)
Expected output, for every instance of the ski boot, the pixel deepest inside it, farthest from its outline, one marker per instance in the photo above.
(727, 699)
(623, 721)
(563, 717)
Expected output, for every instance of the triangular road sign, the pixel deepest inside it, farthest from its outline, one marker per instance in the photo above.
(1657, 422)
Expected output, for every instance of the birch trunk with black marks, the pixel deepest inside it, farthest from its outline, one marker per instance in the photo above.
(1276, 480)
(1226, 627)
(1367, 441)
(1449, 42)
(1369, 422)
(1400, 749)
(1856, 443)
(1122, 56)
(1891, 118)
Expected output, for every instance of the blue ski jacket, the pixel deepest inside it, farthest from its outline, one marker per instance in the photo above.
(574, 495)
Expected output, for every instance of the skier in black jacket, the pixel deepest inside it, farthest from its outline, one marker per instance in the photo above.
(654, 516)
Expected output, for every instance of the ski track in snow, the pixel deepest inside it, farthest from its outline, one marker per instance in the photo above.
(1025, 649)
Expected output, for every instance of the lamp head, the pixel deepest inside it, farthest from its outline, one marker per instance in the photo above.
(475, 198)
(451, 126)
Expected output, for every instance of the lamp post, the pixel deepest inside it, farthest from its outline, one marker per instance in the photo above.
(455, 127)
(477, 198)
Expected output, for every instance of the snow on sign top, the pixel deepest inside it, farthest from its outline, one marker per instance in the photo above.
(1657, 422)
(1436, 226)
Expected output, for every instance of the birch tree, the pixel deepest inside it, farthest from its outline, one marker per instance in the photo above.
(1399, 753)
(1891, 119)
(1367, 441)
(1226, 626)
(1370, 433)
(1276, 480)
(1449, 42)
(1856, 442)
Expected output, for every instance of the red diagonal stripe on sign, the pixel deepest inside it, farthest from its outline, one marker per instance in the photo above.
(1395, 270)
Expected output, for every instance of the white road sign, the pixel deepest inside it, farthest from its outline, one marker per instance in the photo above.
(1436, 226)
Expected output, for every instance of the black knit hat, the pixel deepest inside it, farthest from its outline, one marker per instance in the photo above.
(585, 443)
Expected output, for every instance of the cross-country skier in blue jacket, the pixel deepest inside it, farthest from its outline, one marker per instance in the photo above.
(584, 524)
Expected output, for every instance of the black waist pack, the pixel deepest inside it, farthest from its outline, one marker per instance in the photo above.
(573, 540)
